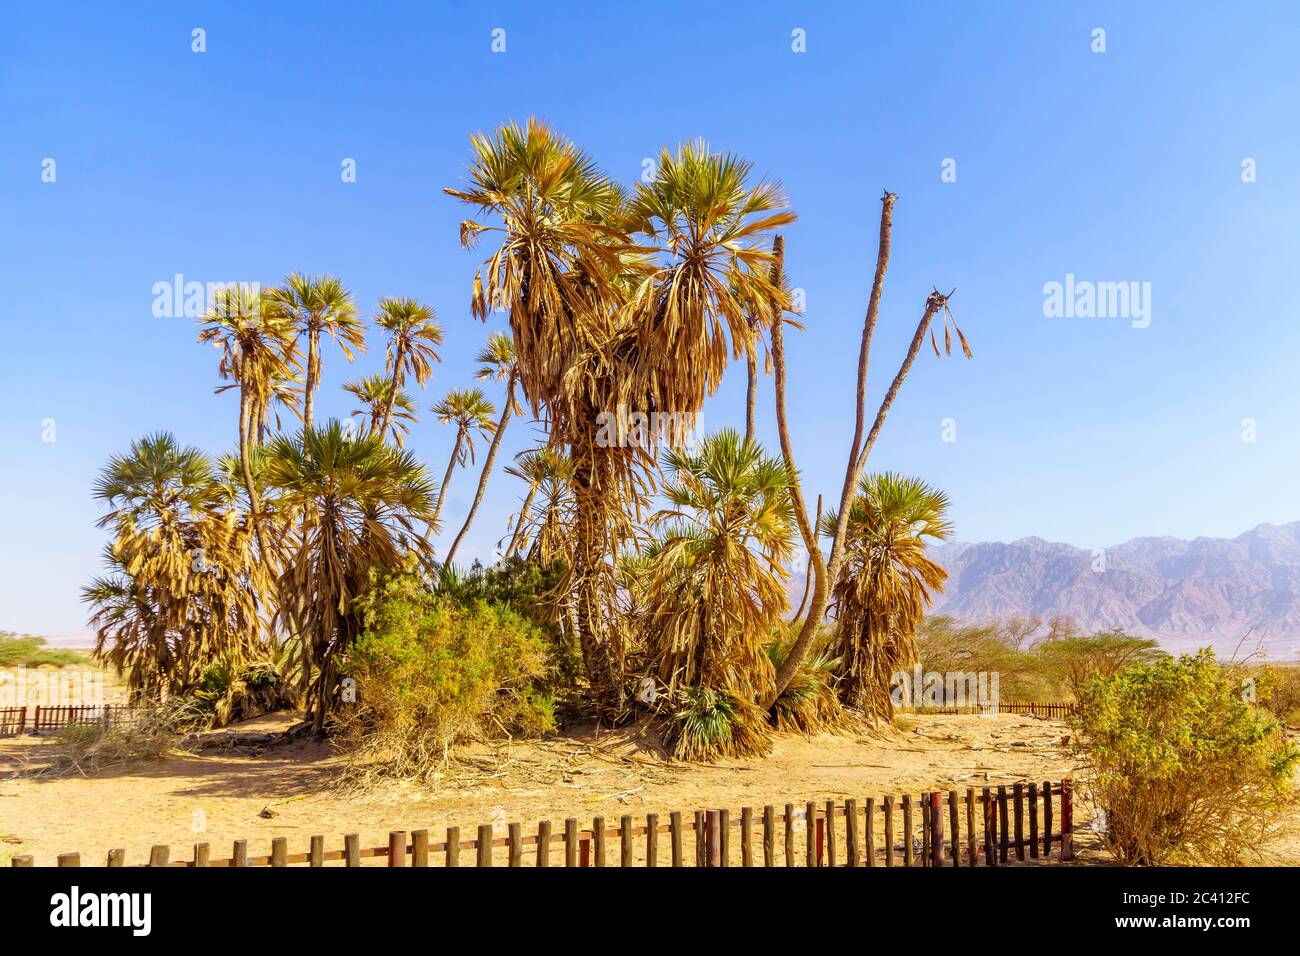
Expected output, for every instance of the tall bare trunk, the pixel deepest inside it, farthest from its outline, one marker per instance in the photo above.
(809, 533)
(313, 375)
(487, 469)
(446, 478)
(394, 384)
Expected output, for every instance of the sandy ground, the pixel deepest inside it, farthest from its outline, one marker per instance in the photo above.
(291, 791)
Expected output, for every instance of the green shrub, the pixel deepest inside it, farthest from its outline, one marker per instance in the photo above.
(711, 724)
(1185, 769)
(432, 673)
(27, 650)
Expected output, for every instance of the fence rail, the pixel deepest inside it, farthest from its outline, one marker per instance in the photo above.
(49, 719)
(1013, 820)
(1032, 709)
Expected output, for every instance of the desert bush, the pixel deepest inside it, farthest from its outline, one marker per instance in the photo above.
(153, 729)
(1277, 688)
(708, 725)
(1186, 771)
(28, 650)
(432, 673)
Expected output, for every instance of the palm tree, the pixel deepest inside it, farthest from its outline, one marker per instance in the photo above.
(413, 333)
(496, 363)
(537, 468)
(352, 504)
(615, 304)
(186, 586)
(470, 411)
(885, 583)
(312, 305)
(257, 356)
(375, 393)
(715, 579)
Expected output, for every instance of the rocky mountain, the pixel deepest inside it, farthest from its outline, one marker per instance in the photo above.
(1184, 593)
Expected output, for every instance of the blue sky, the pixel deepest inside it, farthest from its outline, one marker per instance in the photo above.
(1117, 166)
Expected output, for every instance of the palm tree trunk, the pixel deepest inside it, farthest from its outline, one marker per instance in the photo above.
(794, 657)
(487, 469)
(516, 539)
(311, 383)
(751, 395)
(446, 479)
(392, 391)
(245, 449)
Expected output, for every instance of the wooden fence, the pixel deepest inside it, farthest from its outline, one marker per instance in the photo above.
(1014, 820)
(50, 719)
(1027, 708)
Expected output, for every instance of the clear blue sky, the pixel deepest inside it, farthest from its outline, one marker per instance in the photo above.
(1118, 166)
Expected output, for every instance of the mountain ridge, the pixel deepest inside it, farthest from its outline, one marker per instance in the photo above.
(1185, 593)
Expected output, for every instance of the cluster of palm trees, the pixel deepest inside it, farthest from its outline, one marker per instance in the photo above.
(672, 573)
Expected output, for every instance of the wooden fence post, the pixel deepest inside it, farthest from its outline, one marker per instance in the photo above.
(516, 857)
(852, 849)
(1002, 824)
(813, 835)
(74, 859)
(907, 829)
(1047, 819)
(1067, 819)
(936, 828)
(869, 828)
(544, 843)
(675, 836)
(571, 840)
(420, 848)
(483, 845)
(598, 840)
(316, 855)
(397, 848)
(724, 837)
(1033, 821)
(769, 835)
(279, 851)
(701, 840)
(118, 857)
(889, 830)
(746, 836)
(990, 828)
(23, 859)
(240, 852)
(829, 831)
(1018, 796)
(956, 830)
(972, 852)
(713, 838)
(625, 840)
(789, 834)
(652, 839)
(453, 846)
(351, 849)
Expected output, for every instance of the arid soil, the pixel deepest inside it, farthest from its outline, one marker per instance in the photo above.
(292, 790)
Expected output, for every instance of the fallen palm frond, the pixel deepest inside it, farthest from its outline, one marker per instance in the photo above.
(154, 730)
